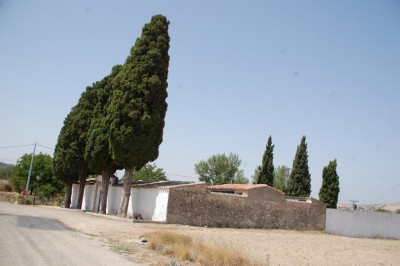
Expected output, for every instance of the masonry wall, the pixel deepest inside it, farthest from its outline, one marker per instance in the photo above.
(194, 205)
(363, 224)
(266, 193)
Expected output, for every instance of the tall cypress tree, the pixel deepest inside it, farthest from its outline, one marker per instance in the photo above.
(138, 106)
(73, 138)
(97, 152)
(299, 183)
(266, 174)
(329, 191)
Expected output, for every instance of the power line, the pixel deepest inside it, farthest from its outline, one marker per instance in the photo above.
(384, 196)
(45, 147)
(16, 146)
(182, 175)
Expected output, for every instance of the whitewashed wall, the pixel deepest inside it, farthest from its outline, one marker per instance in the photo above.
(363, 224)
(74, 196)
(88, 198)
(150, 203)
(113, 199)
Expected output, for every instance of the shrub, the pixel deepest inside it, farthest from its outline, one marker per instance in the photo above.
(187, 249)
(382, 210)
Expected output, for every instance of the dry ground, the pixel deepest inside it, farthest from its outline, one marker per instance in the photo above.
(274, 247)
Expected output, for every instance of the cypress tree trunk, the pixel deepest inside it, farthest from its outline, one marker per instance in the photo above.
(82, 183)
(106, 174)
(126, 194)
(68, 193)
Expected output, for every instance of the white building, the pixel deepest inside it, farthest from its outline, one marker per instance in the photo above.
(148, 200)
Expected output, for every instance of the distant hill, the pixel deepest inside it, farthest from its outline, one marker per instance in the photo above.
(3, 164)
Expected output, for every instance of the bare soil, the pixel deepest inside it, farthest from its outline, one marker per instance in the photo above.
(272, 247)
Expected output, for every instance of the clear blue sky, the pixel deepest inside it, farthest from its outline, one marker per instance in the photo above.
(239, 72)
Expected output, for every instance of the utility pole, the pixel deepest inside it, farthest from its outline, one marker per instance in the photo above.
(30, 169)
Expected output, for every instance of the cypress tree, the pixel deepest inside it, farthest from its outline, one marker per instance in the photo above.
(299, 183)
(138, 106)
(97, 152)
(72, 140)
(329, 191)
(266, 174)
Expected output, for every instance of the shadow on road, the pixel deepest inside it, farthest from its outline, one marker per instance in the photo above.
(39, 223)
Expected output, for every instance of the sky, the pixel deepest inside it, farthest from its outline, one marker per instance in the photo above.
(239, 72)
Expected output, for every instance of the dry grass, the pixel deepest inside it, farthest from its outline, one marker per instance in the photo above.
(186, 248)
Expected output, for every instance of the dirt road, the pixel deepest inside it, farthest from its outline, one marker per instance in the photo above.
(28, 239)
(277, 247)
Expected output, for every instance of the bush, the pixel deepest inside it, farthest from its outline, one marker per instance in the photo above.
(5, 186)
(194, 250)
(398, 211)
(382, 210)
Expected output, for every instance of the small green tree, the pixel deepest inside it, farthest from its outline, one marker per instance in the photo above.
(7, 171)
(138, 106)
(281, 177)
(299, 183)
(43, 180)
(266, 175)
(150, 172)
(221, 169)
(329, 191)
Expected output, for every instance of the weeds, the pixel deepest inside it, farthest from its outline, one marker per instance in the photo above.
(194, 250)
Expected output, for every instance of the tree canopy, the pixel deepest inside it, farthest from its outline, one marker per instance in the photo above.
(221, 169)
(42, 177)
(138, 106)
(330, 189)
(281, 177)
(97, 154)
(266, 172)
(299, 183)
(150, 172)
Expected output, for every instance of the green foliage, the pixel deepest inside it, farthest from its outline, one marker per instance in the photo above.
(69, 153)
(150, 172)
(221, 169)
(7, 171)
(266, 175)
(398, 211)
(97, 153)
(256, 174)
(299, 183)
(281, 177)
(42, 178)
(138, 106)
(329, 191)
(382, 210)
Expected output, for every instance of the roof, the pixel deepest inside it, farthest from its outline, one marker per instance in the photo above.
(243, 187)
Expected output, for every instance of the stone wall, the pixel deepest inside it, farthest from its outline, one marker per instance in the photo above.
(194, 205)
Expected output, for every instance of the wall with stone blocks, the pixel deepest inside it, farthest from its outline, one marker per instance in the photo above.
(194, 205)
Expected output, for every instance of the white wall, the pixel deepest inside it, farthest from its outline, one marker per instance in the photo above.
(113, 199)
(363, 224)
(150, 203)
(74, 196)
(88, 197)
